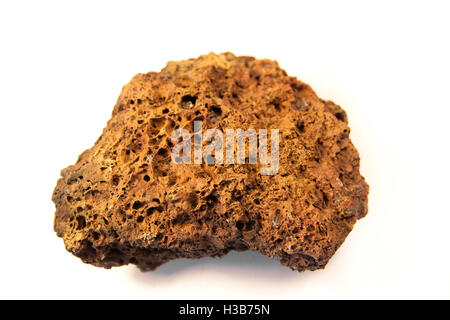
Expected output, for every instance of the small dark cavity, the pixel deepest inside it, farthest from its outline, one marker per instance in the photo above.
(276, 105)
(152, 210)
(81, 222)
(212, 198)
(250, 225)
(240, 225)
(188, 101)
(162, 152)
(300, 126)
(115, 180)
(341, 116)
(216, 110)
(138, 204)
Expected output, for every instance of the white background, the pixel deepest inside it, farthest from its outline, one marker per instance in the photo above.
(62, 66)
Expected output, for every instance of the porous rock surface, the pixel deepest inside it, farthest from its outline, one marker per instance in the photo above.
(125, 202)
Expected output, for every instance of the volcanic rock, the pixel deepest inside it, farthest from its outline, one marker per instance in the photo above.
(126, 202)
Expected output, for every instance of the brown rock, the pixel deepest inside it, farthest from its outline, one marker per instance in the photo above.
(125, 201)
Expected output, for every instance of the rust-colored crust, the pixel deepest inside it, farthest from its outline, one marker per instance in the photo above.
(125, 201)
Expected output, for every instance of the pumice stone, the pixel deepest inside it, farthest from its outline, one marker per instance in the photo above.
(209, 155)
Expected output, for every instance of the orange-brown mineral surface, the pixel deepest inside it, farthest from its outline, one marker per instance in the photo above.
(125, 201)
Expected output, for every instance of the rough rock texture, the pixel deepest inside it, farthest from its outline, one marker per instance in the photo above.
(125, 201)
